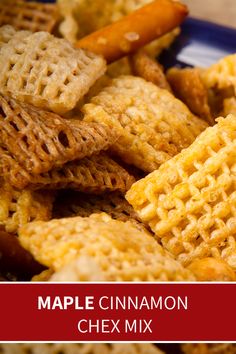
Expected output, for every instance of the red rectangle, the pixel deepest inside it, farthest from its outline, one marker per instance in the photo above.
(208, 316)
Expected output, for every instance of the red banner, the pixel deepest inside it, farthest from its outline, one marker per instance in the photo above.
(117, 312)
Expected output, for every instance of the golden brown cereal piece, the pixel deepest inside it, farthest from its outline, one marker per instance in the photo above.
(135, 30)
(212, 269)
(20, 207)
(189, 88)
(190, 202)
(41, 140)
(221, 75)
(155, 48)
(85, 268)
(121, 251)
(79, 204)
(47, 71)
(119, 67)
(79, 348)
(153, 125)
(11, 171)
(96, 174)
(149, 69)
(229, 106)
(32, 16)
(210, 348)
(7, 33)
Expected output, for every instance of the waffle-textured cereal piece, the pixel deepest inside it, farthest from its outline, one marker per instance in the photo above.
(96, 174)
(32, 16)
(85, 268)
(79, 204)
(189, 88)
(20, 207)
(79, 348)
(153, 125)
(41, 140)
(209, 348)
(47, 71)
(7, 33)
(190, 202)
(114, 204)
(221, 75)
(120, 250)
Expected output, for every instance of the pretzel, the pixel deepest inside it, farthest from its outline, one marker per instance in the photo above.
(135, 30)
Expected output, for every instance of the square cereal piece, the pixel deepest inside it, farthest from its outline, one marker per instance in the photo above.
(25, 15)
(96, 174)
(153, 125)
(40, 140)
(121, 250)
(190, 202)
(47, 71)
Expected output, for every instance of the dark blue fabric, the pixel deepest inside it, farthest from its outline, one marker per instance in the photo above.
(201, 43)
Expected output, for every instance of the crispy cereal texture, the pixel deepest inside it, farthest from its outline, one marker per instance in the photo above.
(221, 75)
(32, 16)
(190, 202)
(47, 71)
(189, 88)
(8, 33)
(41, 140)
(96, 174)
(120, 250)
(85, 348)
(203, 348)
(153, 125)
(149, 69)
(78, 204)
(20, 207)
